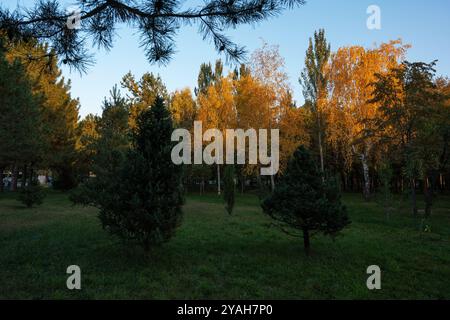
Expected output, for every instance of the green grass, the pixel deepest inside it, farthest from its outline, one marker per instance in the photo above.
(216, 256)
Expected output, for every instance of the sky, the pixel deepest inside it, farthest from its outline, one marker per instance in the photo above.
(423, 24)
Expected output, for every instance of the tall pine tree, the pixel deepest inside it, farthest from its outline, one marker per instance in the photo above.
(59, 111)
(20, 119)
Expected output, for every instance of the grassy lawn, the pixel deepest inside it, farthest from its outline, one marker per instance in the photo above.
(217, 256)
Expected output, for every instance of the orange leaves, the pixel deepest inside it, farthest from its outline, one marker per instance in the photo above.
(246, 102)
(183, 108)
(253, 103)
(352, 70)
(216, 106)
(293, 132)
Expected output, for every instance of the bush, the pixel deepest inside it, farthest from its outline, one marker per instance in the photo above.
(32, 195)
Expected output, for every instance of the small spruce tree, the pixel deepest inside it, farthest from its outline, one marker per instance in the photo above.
(32, 195)
(142, 200)
(229, 188)
(301, 203)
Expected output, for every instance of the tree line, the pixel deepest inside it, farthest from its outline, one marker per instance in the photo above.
(38, 118)
(371, 120)
(364, 110)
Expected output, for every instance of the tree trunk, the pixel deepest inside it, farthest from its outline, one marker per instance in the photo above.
(2, 187)
(319, 141)
(428, 192)
(218, 179)
(322, 165)
(413, 197)
(15, 174)
(272, 182)
(366, 185)
(345, 181)
(258, 180)
(306, 242)
(24, 176)
(31, 175)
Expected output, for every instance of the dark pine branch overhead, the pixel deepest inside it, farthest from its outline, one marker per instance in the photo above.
(156, 21)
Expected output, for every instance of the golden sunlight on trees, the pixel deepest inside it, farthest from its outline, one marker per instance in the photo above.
(348, 110)
(142, 93)
(217, 110)
(293, 129)
(253, 102)
(183, 108)
(59, 111)
(268, 66)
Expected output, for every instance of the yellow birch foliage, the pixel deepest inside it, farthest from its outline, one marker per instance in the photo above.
(216, 107)
(183, 108)
(351, 72)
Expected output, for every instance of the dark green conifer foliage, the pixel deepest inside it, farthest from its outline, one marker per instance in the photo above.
(142, 201)
(20, 118)
(302, 203)
(32, 195)
(157, 22)
(109, 152)
(58, 110)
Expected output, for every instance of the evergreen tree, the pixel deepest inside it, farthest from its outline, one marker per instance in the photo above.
(114, 133)
(58, 110)
(141, 201)
(302, 203)
(20, 119)
(87, 136)
(32, 194)
(229, 188)
(108, 149)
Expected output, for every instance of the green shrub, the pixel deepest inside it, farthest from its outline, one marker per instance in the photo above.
(32, 195)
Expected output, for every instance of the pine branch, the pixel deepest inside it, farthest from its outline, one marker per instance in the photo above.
(157, 21)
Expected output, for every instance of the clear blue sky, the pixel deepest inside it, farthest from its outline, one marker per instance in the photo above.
(423, 24)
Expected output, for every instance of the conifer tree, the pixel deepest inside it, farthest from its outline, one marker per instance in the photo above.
(142, 200)
(58, 110)
(109, 150)
(302, 203)
(20, 119)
